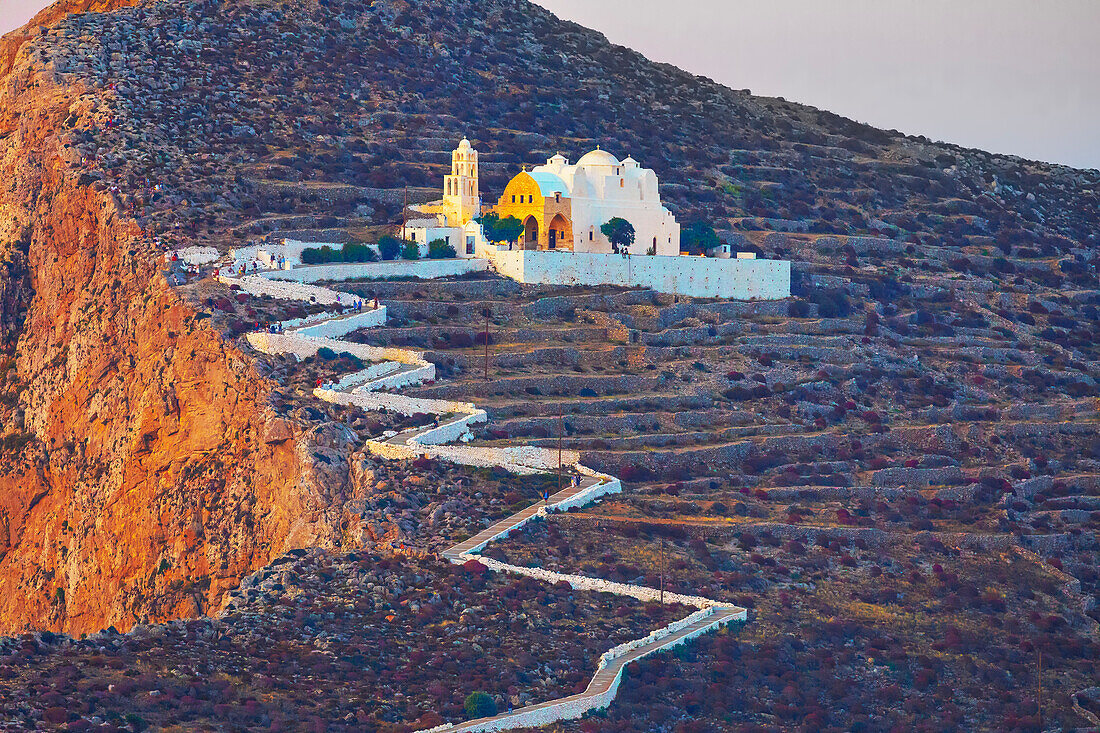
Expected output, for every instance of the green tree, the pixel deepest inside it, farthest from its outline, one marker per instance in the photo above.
(479, 705)
(496, 229)
(621, 234)
(698, 237)
(410, 251)
(389, 246)
(440, 249)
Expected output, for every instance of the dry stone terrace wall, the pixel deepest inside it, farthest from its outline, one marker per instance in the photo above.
(401, 367)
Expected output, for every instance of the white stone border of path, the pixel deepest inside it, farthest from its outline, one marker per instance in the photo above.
(417, 269)
(400, 367)
(615, 652)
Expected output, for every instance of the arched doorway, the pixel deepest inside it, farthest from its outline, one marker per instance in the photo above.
(531, 233)
(560, 233)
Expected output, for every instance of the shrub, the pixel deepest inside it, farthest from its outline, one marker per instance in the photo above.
(389, 246)
(353, 252)
(410, 251)
(439, 249)
(318, 255)
(326, 353)
(350, 252)
(479, 705)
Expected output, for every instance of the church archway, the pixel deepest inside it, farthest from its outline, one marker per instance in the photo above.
(531, 233)
(560, 233)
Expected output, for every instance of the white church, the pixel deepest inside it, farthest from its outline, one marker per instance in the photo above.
(563, 207)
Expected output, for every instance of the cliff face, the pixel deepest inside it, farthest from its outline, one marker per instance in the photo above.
(135, 482)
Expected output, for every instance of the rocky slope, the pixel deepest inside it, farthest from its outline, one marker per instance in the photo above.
(139, 477)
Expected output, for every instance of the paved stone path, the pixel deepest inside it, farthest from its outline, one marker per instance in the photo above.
(455, 554)
(602, 688)
(604, 683)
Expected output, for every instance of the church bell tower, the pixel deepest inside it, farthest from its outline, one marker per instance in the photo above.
(460, 189)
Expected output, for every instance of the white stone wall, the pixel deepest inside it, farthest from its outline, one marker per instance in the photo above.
(581, 582)
(373, 372)
(194, 255)
(341, 326)
(607, 485)
(290, 249)
(423, 269)
(697, 277)
(575, 706)
(290, 342)
(610, 486)
(450, 431)
(523, 460)
(401, 378)
(615, 652)
(257, 285)
(396, 402)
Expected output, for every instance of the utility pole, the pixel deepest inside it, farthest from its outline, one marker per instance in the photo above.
(1040, 680)
(561, 430)
(486, 344)
(662, 564)
(405, 217)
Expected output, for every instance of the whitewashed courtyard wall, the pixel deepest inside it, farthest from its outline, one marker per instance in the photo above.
(697, 277)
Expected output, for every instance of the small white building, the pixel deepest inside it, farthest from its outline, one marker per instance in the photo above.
(426, 230)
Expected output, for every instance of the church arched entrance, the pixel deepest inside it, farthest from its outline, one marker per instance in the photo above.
(560, 233)
(531, 233)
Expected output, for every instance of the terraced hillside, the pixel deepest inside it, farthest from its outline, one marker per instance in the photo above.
(882, 484)
(897, 469)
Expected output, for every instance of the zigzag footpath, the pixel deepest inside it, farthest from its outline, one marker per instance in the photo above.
(396, 368)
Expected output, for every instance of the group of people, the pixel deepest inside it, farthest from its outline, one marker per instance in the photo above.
(356, 304)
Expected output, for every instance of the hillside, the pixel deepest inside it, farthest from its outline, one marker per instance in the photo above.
(885, 467)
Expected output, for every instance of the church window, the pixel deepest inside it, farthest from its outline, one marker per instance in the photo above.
(622, 183)
(591, 235)
(557, 197)
(513, 199)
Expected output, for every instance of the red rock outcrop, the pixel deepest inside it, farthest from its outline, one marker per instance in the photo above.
(138, 478)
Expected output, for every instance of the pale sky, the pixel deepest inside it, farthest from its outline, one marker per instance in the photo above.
(1010, 76)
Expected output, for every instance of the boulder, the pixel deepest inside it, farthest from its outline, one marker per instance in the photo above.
(278, 430)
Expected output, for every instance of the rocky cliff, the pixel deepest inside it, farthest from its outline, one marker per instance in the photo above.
(135, 480)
